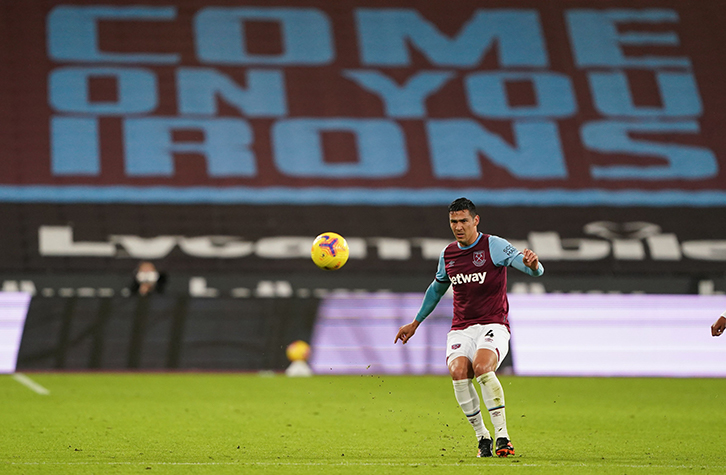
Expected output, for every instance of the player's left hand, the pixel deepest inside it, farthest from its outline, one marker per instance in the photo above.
(530, 259)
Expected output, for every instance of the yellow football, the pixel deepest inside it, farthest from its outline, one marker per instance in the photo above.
(298, 351)
(330, 251)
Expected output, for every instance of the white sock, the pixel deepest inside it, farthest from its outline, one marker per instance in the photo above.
(468, 400)
(493, 396)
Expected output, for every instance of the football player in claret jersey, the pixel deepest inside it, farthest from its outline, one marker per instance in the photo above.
(476, 265)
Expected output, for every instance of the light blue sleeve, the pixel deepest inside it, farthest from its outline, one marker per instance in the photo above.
(504, 254)
(435, 291)
(431, 299)
(441, 274)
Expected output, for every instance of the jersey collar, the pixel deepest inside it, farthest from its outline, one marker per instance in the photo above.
(470, 245)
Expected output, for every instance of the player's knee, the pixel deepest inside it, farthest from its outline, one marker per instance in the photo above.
(484, 367)
(460, 369)
(479, 370)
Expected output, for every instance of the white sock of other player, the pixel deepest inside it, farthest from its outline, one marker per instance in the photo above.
(493, 396)
(468, 400)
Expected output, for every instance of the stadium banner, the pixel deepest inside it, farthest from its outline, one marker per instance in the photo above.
(362, 102)
(352, 333)
(13, 312)
(552, 335)
(385, 242)
(617, 335)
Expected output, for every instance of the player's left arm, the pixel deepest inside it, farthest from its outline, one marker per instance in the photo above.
(504, 254)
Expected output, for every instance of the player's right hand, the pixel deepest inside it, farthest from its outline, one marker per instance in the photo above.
(406, 332)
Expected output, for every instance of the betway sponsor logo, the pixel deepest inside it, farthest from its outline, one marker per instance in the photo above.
(476, 277)
(631, 241)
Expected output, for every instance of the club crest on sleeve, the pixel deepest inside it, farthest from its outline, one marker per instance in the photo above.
(479, 258)
(456, 346)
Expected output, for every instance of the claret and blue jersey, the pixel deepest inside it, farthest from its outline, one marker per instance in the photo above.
(478, 273)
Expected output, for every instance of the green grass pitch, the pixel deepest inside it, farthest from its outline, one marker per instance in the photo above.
(109, 423)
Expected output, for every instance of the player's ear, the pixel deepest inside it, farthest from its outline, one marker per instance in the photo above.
(476, 220)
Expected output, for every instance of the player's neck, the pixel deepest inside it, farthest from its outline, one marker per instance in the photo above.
(470, 242)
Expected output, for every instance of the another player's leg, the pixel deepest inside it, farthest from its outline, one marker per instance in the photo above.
(485, 362)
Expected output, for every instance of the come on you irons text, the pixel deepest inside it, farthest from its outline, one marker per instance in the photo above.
(385, 40)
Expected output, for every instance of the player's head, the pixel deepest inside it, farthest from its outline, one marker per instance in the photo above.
(463, 204)
(464, 220)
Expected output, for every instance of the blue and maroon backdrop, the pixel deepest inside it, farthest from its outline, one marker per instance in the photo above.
(219, 138)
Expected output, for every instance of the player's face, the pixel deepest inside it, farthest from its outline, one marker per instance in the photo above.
(463, 225)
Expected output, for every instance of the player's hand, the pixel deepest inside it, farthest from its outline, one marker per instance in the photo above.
(530, 259)
(406, 332)
(718, 327)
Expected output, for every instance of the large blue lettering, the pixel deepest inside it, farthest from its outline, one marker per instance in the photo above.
(678, 93)
(306, 36)
(457, 146)
(150, 149)
(136, 90)
(380, 144)
(74, 146)
(73, 33)
(487, 95)
(384, 35)
(408, 100)
(682, 161)
(198, 89)
(596, 41)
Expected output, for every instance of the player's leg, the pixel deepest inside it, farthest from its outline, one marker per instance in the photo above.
(492, 348)
(492, 393)
(462, 372)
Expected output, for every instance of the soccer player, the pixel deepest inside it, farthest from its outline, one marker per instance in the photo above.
(719, 325)
(476, 265)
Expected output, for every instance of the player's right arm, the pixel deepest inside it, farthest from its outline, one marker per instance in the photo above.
(431, 299)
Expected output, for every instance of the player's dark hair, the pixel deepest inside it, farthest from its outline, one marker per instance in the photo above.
(463, 204)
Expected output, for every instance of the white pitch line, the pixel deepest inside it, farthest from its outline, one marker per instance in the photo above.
(30, 384)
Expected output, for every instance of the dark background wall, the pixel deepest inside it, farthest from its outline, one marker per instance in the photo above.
(654, 250)
(163, 333)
